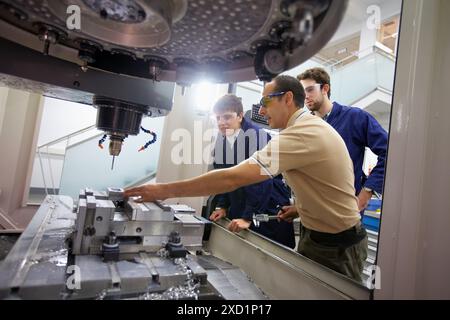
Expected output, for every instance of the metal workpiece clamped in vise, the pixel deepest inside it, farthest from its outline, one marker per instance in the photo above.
(125, 226)
(120, 249)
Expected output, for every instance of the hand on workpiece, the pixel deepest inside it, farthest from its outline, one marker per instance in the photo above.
(237, 225)
(287, 213)
(148, 193)
(218, 214)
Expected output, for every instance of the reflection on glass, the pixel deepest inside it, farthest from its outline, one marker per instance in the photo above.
(360, 61)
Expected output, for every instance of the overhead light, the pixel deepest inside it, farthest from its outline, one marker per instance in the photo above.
(205, 95)
(341, 51)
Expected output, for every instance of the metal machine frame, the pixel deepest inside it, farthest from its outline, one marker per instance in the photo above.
(61, 255)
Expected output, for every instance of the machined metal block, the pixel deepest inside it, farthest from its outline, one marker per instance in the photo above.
(100, 195)
(91, 202)
(163, 205)
(104, 214)
(148, 211)
(89, 192)
(135, 277)
(94, 275)
(170, 274)
(187, 218)
(145, 228)
(115, 194)
(106, 208)
(85, 192)
(88, 230)
(182, 208)
(79, 226)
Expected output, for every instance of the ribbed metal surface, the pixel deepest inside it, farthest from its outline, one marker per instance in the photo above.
(213, 37)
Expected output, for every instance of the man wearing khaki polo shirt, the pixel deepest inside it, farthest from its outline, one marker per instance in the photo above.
(315, 162)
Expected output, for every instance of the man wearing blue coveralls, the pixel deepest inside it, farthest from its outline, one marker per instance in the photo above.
(358, 128)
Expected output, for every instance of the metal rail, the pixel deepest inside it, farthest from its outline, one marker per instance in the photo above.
(281, 272)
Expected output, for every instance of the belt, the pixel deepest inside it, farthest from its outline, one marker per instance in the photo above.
(345, 239)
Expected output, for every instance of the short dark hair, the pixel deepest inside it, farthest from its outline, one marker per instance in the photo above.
(285, 83)
(319, 75)
(228, 102)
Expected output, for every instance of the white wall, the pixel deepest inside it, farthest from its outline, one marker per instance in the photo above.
(63, 117)
(183, 117)
(21, 112)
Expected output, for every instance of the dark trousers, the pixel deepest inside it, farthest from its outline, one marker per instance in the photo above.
(281, 232)
(344, 252)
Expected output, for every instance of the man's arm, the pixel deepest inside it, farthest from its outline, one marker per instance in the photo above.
(377, 142)
(213, 182)
(375, 138)
(222, 205)
(222, 200)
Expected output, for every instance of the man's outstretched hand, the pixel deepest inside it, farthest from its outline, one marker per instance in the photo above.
(147, 193)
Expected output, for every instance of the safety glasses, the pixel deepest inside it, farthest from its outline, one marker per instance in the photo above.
(266, 99)
(314, 87)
